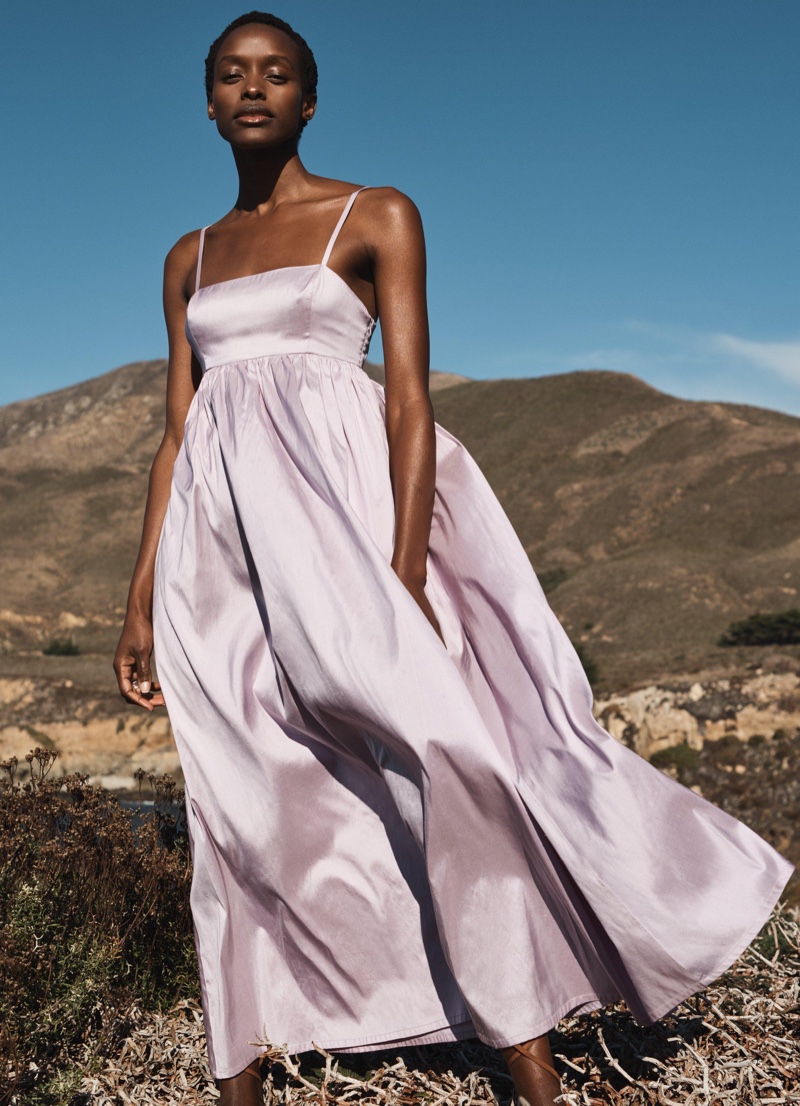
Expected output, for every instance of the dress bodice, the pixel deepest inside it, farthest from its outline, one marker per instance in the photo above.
(298, 309)
(302, 309)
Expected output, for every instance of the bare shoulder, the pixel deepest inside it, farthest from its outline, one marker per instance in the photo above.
(184, 252)
(382, 201)
(181, 260)
(389, 205)
(389, 221)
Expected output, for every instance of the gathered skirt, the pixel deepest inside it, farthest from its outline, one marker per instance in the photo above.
(396, 840)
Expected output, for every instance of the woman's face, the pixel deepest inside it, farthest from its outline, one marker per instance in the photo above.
(257, 97)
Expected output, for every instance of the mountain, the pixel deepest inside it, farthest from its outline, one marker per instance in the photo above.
(653, 522)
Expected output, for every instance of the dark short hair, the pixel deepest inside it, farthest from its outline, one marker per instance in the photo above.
(308, 66)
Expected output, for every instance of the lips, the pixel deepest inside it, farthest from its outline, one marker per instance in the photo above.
(254, 112)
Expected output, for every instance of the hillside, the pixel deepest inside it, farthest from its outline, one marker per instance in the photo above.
(652, 521)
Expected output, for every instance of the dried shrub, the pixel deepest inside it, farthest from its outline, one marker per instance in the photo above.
(94, 914)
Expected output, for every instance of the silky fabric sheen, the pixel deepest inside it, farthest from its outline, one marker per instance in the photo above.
(393, 839)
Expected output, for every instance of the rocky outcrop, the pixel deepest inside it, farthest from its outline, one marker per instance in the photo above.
(97, 736)
(743, 706)
(107, 747)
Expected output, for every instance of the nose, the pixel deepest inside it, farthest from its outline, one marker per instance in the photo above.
(253, 90)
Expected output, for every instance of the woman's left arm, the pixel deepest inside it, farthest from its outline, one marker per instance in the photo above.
(399, 273)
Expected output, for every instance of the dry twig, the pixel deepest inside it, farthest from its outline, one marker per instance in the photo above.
(737, 1043)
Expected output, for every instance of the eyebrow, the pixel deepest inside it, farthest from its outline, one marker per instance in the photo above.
(239, 58)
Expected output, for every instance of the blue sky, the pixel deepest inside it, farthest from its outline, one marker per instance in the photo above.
(603, 183)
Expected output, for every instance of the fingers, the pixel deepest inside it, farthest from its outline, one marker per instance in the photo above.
(428, 611)
(143, 677)
(132, 664)
(434, 621)
(135, 687)
(154, 696)
(424, 603)
(132, 693)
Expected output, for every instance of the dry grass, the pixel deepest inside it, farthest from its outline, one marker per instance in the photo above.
(95, 952)
(737, 1043)
(94, 916)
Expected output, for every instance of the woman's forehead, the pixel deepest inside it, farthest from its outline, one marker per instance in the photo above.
(258, 39)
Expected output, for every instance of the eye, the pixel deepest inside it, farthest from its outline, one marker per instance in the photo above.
(277, 77)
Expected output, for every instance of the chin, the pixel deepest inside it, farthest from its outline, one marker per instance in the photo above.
(257, 136)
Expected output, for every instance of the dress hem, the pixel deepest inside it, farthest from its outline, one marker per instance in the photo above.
(403, 1038)
(742, 943)
(464, 1028)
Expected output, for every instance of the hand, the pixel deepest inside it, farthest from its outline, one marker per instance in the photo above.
(417, 592)
(132, 664)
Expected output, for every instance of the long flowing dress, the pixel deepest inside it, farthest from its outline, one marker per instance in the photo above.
(395, 840)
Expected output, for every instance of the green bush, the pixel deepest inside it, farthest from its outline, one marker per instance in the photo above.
(61, 647)
(94, 913)
(681, 756)
(781, 628)
(550, 578)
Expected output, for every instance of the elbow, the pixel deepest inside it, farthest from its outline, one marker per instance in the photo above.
(411, 409)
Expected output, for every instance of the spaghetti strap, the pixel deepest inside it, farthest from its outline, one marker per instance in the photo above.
(340, 224)
(200, 259)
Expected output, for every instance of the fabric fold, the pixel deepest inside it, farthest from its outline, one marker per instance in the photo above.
(395, 839)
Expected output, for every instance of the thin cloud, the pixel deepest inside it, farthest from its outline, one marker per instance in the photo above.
(678, 360)
(782, 358)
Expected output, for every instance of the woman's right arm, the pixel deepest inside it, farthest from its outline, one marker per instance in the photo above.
(132, 659)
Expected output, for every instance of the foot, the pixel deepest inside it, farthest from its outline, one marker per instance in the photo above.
(534, 1083)
(244, 1089)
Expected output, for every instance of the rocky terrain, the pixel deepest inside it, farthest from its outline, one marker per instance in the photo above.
(759, 703)
(652, 522)
(735, 739)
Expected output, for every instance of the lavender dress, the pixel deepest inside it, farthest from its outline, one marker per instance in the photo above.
(394, 840)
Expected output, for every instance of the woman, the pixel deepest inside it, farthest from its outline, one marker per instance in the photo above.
(406, 825)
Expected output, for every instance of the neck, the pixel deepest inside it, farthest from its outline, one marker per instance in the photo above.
(268, 176)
